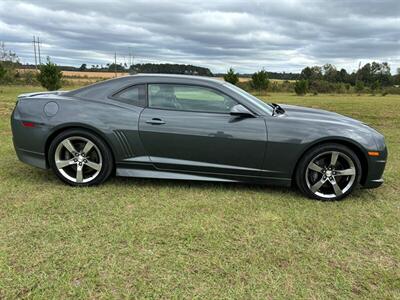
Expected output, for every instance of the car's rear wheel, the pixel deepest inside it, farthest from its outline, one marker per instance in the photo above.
(328, 172)
(80, 158)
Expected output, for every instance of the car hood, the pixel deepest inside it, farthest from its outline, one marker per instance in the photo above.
(313, 114)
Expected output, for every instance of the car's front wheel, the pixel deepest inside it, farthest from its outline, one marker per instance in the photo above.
(328, 172)
(80, 158)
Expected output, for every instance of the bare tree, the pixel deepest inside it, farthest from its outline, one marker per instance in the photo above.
(7, 55)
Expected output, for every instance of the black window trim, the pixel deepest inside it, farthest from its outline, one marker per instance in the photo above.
(195, 111)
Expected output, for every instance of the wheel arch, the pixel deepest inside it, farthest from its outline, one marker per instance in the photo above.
(57, 130)
(358, 150)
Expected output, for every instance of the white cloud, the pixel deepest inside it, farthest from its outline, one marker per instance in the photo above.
(281, 35)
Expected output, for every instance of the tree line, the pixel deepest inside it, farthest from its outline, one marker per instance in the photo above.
(369, 74)
(372, 77)
(144, 68)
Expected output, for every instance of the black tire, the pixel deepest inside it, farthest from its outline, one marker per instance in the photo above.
(104, 163)
(307, 178)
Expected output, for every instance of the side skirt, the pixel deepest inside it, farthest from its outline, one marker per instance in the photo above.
(142, 173)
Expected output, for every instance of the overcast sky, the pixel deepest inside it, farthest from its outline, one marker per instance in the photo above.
(283, 35)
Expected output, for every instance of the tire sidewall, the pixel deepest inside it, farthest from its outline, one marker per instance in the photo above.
(107, 164)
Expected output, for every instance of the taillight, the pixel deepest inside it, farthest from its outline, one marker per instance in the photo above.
(28, 124)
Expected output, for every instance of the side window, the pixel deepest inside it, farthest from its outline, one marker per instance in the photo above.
(189, 98)
(135, 95)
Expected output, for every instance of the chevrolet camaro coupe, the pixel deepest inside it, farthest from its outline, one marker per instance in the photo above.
(194, 128)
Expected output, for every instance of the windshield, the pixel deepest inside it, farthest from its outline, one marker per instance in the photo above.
(267, 108)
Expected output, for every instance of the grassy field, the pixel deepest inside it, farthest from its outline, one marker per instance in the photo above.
(169, 239)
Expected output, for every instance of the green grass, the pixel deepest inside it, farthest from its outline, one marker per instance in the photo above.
(169, 239)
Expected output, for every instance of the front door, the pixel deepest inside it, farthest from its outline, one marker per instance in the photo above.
(189, 128)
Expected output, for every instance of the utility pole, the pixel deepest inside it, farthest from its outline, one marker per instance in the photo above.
(131, 60)
(115, 63)
(359, 67)
(40, 57)
(34, 50)
(131, 57)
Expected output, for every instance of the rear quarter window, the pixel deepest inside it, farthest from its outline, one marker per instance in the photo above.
(135, 95)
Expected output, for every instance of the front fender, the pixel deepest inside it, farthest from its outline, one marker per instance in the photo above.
(289, 139)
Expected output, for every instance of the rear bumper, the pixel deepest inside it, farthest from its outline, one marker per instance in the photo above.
(28, 138)
(31, 158)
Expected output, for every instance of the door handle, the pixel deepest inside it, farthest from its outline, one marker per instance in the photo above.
(155, 121)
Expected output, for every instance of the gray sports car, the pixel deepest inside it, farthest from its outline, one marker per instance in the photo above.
(187, 127)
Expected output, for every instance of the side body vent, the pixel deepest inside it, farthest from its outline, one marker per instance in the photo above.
(126, 148)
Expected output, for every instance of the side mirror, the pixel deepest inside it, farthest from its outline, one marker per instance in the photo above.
(240, 111)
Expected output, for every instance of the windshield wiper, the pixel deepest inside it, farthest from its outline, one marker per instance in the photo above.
(277, 109)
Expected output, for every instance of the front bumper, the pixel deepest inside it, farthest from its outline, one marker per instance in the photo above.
(376, 167)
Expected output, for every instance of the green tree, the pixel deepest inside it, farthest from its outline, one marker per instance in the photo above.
(259, 80)
(364, 74)
(3, 72)
(371, 72)
(50, 76)
(381, 72)
(116, 67)
(311, 74)
(330, 73)
(231, 76)
(306, 73)
(375, 86)
(83, 67)
(301, 87)
(359, 86)
(342, 76)
(396, 78)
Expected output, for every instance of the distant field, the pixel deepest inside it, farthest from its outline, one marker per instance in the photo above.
(241, 79)
(74, 78)
(136, 238)
(103, 75)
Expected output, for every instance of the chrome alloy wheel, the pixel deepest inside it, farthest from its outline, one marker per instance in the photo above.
(330, 174)
(78, 159)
